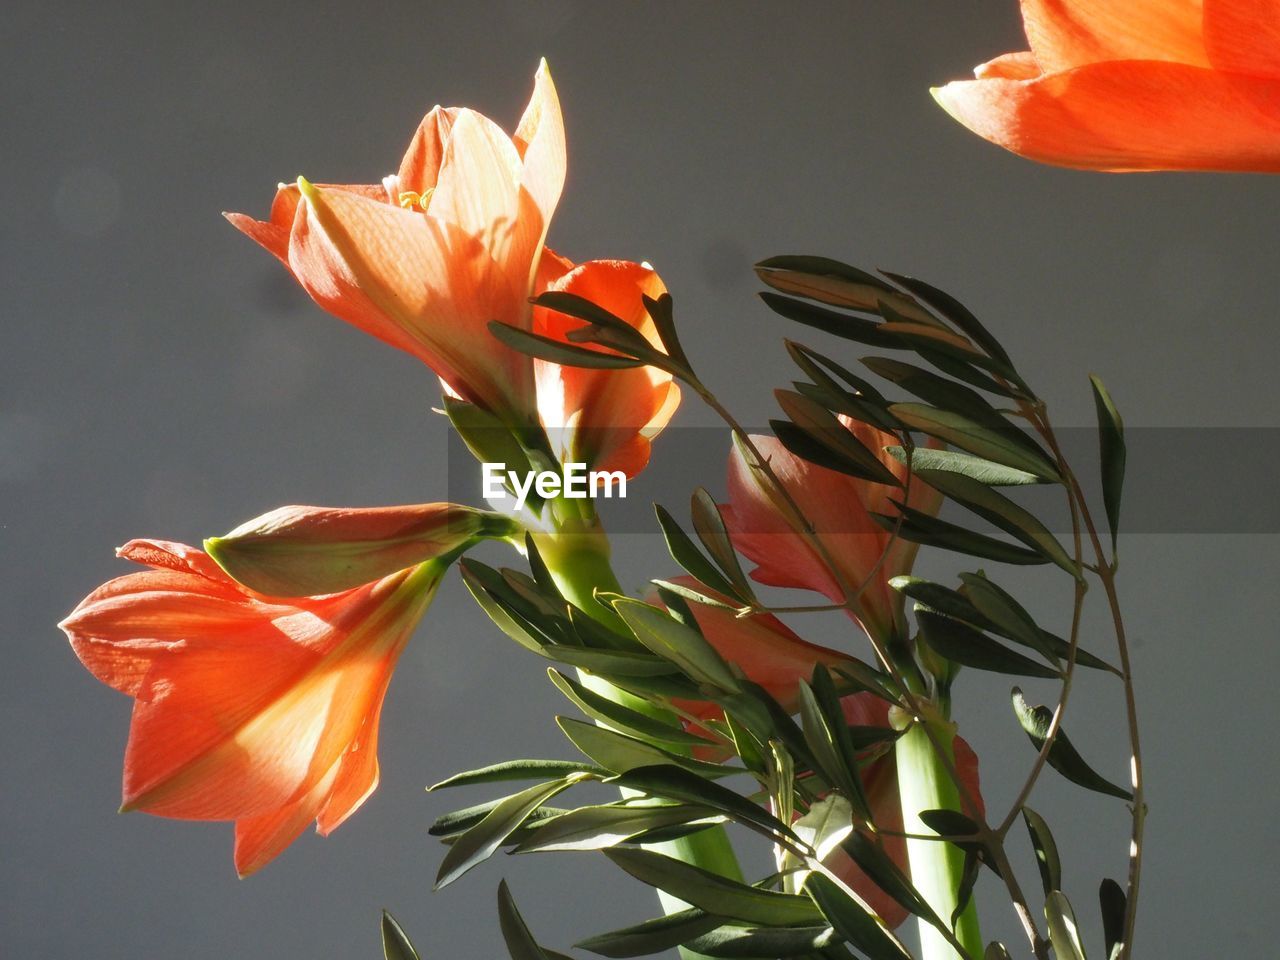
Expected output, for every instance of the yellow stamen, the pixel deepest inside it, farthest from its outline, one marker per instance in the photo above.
(411, 198)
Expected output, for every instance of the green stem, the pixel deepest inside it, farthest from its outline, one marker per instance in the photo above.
(936, 866)
(577, 556)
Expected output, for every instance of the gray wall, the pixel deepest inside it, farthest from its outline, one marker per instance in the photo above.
(162, 377)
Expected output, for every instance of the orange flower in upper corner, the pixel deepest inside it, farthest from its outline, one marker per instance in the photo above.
(771, 654)
(248, 708)
(840, 508)
(604, 418)
(1128, 85)
(452, 241)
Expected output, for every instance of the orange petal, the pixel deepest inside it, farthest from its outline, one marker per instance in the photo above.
(1243, 36)
(421, 164)
(419, 283)
(260, 839)
(1128, 115)
(480, 192)
(273, 233)
(1009, 66)
(1070, 33)
(540, 140)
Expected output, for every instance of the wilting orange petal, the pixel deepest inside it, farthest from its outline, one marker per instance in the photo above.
(419, 283)
(1128, 115)
(1243, 36)
(1070, 33)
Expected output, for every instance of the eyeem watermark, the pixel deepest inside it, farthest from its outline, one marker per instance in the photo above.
(576, 483)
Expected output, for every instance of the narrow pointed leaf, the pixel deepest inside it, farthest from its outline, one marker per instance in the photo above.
(1111, 441)
(668, 782)
(621, 753)
(939, 391)
(611, 663)
(843, 325)
(556, 351)
(955, 461)
(520, 942)
(977, 439)
(713, 893)
(710, 528)
(455, 822)
(749, 942)
(1000, 511)
(1063, 757)
(821, 427)
(1113, 903)
(1062, 927)
(957, 641)
(479, 843)
(995, 951)
(598, 827)
(486, 436)
(820, 368)
(616, 715)
(395, 942)
(884, 873)
(827, 738)
(652, 936)
(853, 920)
(922, 528)
(997, 606)
(953, 310)
(1046, 849)
(674, 641)
(684, 552)
(518, 770)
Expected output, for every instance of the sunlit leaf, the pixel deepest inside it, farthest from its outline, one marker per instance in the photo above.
(1046, 850)
(670, 782)
(1063, 757)
(598, 827)
(684, 552)
(518, 770)
(853, 920)
(653, 936)
(520, 942)
(674, 641)
(557, 351)
(983, 441)
(749, 942)
(1062, 927)
(954, 461)
(395, 942)
(623, 718)
(621, 753)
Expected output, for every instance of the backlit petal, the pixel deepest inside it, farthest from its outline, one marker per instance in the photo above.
(1243, 36)
(1070, 33)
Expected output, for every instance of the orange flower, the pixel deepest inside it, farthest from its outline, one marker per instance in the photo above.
(771, 654)
(428, 258)
(247, 708)
(840, 508)
(605, 418)
(1134, 85)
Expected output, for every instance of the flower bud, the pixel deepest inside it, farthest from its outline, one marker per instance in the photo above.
(310, 551)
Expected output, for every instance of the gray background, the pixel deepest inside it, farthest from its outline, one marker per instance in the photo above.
(162, 377)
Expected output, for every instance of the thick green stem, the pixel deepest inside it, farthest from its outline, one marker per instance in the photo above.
(578, 559)
(936, 866)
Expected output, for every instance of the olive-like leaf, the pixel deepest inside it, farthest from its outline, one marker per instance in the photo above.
(1046, 849)
(557, 351)
(652, 936)
(621, 753)
(998, 606)
(1112, 447)
(607, 825)
(520, 942)
(684, 552)
(1062, 927)
(843, 325)
(871, 857)
(714, 893)
(671, 782)
(1063, 757)
(995, 951)
(1002, 512)
(739, 941)
(953, 310)
(486, 436)
(682, 645)
(960, 643)
(939, 391)
(708, 524)
(1114, 904)
(620, 717)
(828, 740)
(955, 461)
(920, 527)
(821, 426)
(518, 770)
(984, 441)
(395, 942)
(479, 842)
(663, 316)
(853, 920)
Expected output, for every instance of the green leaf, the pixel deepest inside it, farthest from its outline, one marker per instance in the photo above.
(620, 753)
(684, 552)
(611, 663)
(457, 821)
(1046, 849)
(520, 942)
(479, 843)
(957, 641)
(828, 740)
(867, 679)
(997, 606)
(843, 449)
(1063, 757)
(598, 827)
(954, 604)
(1062, 927)
(479, 579)
(486, 436)
(1002, 512)
(580, 308)
(672, 640)
(669, 782)
(995, 951)
(922, 528)
(843, 325)
(565, 354)
(714, 893)
(518, 770)
(708, 524)
(965, 371)
(736, 941)
(817, 368)
(614, 714)
(1111, 441)
(954, 461)
(820, 267)
(1114, 904)
(694, 595)
(939, 391)
(955, 311)
(853, 920)
(885, 874)
(984, 441)
(395, 942)
(652, 936)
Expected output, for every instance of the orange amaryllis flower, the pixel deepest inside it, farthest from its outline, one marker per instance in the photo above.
(770, 654)
(308, 551)
(450, 242)
(839, 508)
(1134, 85)
(605, 418)
(247, 708)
